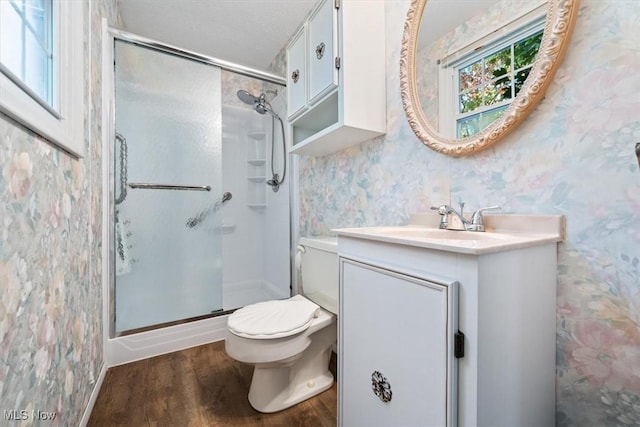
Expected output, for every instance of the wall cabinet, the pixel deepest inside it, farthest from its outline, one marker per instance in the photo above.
(322, 50)
(336, 94)
(296, 70)
(400, 309)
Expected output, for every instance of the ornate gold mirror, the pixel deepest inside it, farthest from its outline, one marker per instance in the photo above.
(470, 72)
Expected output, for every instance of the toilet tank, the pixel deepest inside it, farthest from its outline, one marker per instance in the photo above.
(319, 271)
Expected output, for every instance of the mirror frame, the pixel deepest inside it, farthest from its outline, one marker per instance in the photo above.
(559, 23)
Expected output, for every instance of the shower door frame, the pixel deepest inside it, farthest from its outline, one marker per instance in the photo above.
(174, 336)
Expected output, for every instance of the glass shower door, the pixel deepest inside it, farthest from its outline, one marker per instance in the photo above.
(167, 188)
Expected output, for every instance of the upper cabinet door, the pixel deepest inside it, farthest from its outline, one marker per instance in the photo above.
(323, 74)
(296, 74)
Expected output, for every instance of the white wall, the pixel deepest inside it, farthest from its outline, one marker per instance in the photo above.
(256, 241)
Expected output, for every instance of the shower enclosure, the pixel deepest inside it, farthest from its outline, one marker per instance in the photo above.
(194, 232)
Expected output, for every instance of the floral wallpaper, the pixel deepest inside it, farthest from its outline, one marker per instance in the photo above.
(50, 259)
(573, 156)
(231, 83)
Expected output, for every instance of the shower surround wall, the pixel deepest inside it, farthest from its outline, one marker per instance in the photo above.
(572, 156)
(255, 240)
(50, 256)
(250, 236)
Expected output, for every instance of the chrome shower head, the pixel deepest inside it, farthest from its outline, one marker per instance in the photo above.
(247, 98)
(261, 108)
(259, 103)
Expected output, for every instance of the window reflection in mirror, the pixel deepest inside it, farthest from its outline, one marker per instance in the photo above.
(479, 66)
(487, 85)
(439, 33)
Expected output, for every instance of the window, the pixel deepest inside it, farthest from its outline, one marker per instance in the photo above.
(27, 55)
(480, 83)
(41, 68)
(487, 85)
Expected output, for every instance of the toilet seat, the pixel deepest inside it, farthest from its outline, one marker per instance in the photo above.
(273, 319)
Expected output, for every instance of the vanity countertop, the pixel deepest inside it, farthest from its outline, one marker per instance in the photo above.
(504, 232)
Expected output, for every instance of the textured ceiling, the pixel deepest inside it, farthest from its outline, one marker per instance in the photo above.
(252, 32)
(247, 32)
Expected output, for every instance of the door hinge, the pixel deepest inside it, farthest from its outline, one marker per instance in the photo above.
(458, 345)
(338, 62)
(336, 4)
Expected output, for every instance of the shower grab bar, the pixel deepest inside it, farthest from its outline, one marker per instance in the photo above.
(147, 186)
(123, 168)
(197, 219)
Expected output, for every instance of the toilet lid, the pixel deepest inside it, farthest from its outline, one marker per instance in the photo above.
(273, 319)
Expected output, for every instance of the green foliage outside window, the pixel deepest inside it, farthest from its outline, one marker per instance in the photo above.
(493, 79)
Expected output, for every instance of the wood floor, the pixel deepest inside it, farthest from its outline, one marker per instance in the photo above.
(200, 386)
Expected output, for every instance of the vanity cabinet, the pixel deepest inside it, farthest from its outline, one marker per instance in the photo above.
(407, 310)
(336, 93)
(396, 345)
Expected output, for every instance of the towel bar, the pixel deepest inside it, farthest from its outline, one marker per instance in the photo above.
(147, 186)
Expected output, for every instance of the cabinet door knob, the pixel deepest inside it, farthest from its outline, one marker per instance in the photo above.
(295, 75)
(381, 387)
(320, 50)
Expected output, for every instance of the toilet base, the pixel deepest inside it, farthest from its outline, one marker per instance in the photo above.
(277, 386)
(289, 395)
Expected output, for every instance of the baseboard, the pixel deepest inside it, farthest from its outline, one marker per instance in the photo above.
(94, 396)
(131, 348)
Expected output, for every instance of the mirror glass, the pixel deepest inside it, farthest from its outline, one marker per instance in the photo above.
(472, 70)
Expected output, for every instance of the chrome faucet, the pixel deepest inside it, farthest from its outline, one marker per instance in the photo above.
(453, 220)
(450, 219)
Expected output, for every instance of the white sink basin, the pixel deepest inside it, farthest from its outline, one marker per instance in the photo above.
(436, 233)
(469, 242)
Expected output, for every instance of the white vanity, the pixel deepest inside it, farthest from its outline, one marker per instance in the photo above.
(448, 328)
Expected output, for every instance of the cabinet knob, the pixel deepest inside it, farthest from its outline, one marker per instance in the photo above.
(295, 75)
(381, 387)
(320, 50)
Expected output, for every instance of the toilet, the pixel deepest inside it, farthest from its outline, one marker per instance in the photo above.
(289, 341)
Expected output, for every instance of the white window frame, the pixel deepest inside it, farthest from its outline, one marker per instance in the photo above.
(66, 128)
(518, 29)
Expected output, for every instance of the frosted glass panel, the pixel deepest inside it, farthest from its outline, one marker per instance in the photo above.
(168, 110)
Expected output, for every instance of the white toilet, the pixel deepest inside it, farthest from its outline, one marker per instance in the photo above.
(290, 341)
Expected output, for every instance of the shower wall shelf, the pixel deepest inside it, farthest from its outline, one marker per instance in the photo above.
(256, 135)
(256, 170)
(336, 93)
(228, 228)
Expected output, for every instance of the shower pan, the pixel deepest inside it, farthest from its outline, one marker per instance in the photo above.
(185, 242)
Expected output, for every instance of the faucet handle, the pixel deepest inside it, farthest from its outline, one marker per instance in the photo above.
(443, 211)
(477, 221)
